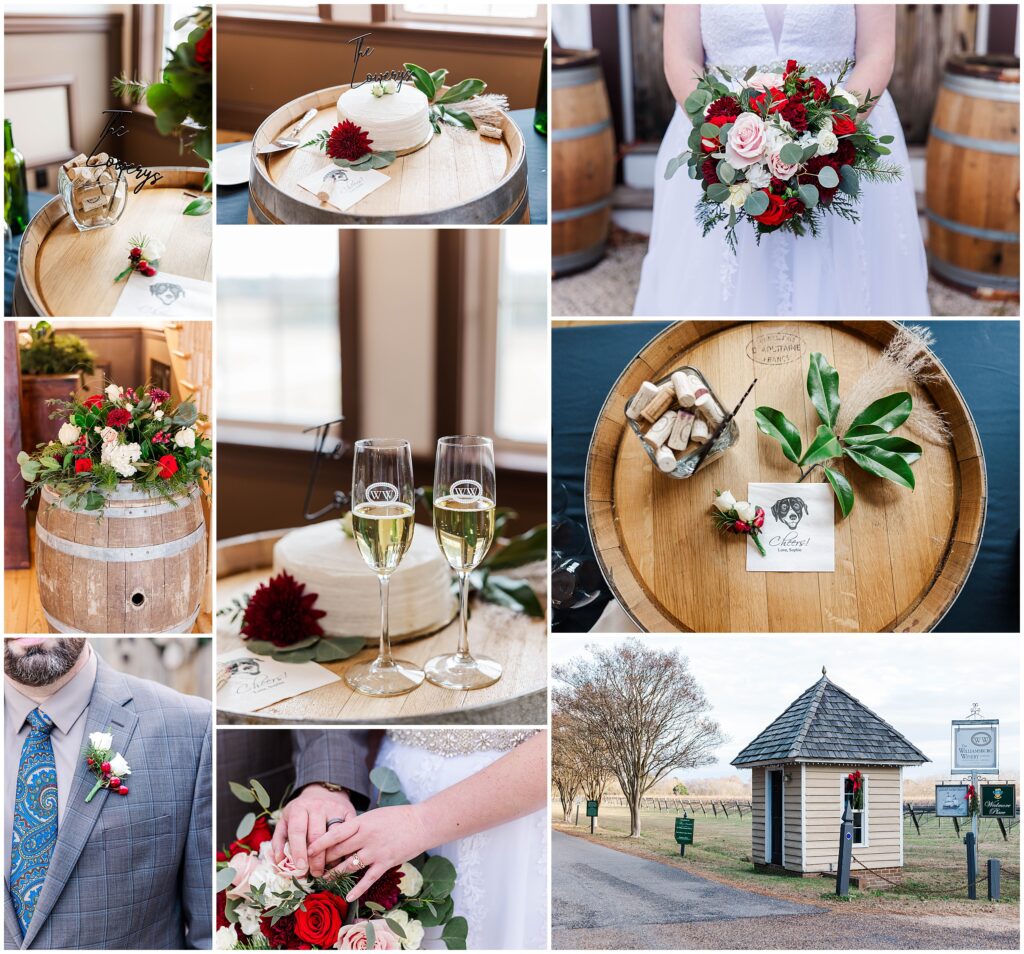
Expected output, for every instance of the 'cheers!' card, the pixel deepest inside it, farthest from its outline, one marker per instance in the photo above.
(799, 528)
(254, 682)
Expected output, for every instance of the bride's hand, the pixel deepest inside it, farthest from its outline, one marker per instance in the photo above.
(379, 839)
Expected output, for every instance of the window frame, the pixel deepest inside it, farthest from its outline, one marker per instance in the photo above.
(392, 13)
(865, 831)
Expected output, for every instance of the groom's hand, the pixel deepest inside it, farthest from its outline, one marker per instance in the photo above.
(304, 819)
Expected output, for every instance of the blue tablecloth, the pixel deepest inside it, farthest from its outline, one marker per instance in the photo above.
(982, 358)
(36, 200)
(233, 201)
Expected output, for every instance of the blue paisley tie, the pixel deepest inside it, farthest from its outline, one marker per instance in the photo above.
(35, 817)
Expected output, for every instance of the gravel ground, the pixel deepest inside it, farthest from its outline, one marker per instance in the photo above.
(606, 899)
(609, 288)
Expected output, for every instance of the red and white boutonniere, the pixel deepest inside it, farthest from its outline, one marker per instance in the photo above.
(110, 770)
(739, 516)
(144, 256)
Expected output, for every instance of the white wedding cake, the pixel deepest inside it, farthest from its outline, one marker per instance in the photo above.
(329, 563)
(395, 122)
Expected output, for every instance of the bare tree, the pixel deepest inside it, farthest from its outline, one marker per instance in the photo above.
(645, 709)
(565, 770)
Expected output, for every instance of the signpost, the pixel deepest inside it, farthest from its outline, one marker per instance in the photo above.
(592, 813)
(951, 801)
(998, 801)
(845, 849)
(684, 833)
(976, 752)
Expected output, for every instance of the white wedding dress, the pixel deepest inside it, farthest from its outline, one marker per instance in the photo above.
(874, 267)
(502, 886)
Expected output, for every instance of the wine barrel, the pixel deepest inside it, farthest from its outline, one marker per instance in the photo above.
(973, 187)
(901, 558)
(138, 565)
(583, 161)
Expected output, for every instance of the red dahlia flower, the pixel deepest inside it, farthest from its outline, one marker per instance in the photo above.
(348, 141)
(723, 106)
(385, 890)
(168, 466)
(281, 612)
(118, 417)
(709, 171)
(83, 465)
(281, 936)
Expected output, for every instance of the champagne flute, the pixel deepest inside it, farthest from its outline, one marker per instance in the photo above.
(464, 527)
(383, 518)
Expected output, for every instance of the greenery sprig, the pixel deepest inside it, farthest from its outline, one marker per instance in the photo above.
(868, 442)
(431, 85)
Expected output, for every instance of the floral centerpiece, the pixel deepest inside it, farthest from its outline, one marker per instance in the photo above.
(267, 904)
(142, 437)
(779, 150)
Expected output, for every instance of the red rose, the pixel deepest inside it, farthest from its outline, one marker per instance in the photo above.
(94, 400)
(204, 50)
(776, 213)
(713, 145)
(759, 519)
(321, 919)
(260, 833)
(741, 527)
(819, 89)
(83, 465)
(842, 125)
(790, 68)
(168, 466)
(778, 100)
(118, 417)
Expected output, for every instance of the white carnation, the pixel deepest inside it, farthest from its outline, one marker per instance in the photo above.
(225, 939)
(159, 415)
(101, 741)
(114, 393)
(119, 766)
(248, 919)
(186, 437)
(759, 176)
(121, 457)
(68, 434)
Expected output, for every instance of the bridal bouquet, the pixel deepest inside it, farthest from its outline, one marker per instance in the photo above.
(779, 150)
(142, 436)
(263, 904)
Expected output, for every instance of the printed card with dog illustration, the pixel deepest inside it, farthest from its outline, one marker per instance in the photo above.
(164, 296)
(342, 188)
(248, 682)
(799, 528)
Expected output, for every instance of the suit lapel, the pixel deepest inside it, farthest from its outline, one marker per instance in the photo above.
(106, 712)
(12, 933)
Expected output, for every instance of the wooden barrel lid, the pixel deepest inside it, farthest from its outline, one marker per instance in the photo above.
(573, 59)
(459, 177)
(516, 640)
(1000, 68)
(901, 557)
(63, 272)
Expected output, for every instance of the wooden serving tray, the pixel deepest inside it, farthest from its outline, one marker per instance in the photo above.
(66, 273)
(514, 639)
(457, 178)
(901, 557)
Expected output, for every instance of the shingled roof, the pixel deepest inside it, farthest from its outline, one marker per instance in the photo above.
(826, 724)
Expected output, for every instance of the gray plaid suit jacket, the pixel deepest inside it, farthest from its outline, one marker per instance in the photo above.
(133, 872)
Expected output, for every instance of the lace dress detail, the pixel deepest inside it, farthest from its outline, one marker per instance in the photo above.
(502, 872)
(874, 266)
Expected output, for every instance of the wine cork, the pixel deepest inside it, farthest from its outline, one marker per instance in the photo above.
(681, 427)
(665, 459)
(77, 161)
(684, 390)
(640, 400)
(660, 430)
(701, 395)
(657, 405)
(700, 433)
(491, 132)
(712, 413)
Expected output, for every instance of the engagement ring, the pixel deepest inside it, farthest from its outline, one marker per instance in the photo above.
(355, 862)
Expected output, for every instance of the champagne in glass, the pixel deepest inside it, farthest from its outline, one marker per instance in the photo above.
(464, 527)
(383, 519)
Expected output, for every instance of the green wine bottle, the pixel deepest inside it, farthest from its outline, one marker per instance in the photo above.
(15, 184)
(540, 113)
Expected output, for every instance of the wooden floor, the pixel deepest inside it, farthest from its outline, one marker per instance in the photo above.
(23, 613)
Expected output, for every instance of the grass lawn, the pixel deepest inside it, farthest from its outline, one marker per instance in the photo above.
(934, 861)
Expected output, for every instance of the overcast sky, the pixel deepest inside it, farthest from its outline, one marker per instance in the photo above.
(916, 683)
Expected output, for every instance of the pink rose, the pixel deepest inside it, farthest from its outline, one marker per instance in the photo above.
(245, 864)
(780, 169)
(352, 937)
(747, 141)
(765, 81)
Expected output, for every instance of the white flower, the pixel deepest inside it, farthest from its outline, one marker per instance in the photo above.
(186, 437)
(759, 176)
(114, 393)
(725, 501)
(411, 882)
(159, 415)
(129, 407)
(119, 766)
(390, 86)
(842, 93)
(101, 741)
(248, 919)
(153, 250)
(738, 194)
(68, 434)
(121, 457)
(827, 142)
(377, 90)
(24, 339)
(412, 929)
(745, 511)
(225, 939)
(107, 434)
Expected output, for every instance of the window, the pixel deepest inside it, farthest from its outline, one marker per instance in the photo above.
(506, 14)
(857, 793)
(171, 14)
(278, 338)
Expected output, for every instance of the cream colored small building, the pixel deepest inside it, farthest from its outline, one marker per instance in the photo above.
(800, 766)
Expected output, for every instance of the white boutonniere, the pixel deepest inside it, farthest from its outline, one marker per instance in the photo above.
(110, 770)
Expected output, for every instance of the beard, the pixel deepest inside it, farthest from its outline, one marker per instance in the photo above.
(43, 664)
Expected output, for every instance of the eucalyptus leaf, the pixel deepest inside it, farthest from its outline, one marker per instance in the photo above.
(262, 796)
(718, 192)
(776, 425)
(756, 204)
(809, 152)
(395, 927)
(888, 412)
(295, 655)
(245, 826)
(371, 935)
(886, 139)
(828, 177)
(824, 447)
(455, 933)
(709, 131)
(882, 463)
(224, 878)
(300, 644)
(791, 153)
(725, 172)
(673, 167)
(262, 647)
(750, 74)
(849, 181)
(841, 487)
(385, 779)
(808, 193)
(823, 389)
(241, 793)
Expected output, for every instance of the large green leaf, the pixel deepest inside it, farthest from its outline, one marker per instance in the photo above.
(823, 389)
(455, 933)
(526, 548)
(514, 594)
(824, 447)
(422, 80)
(908, 450)
(863, 432)
(882, 463)
(776, 425)
(888, 412)
(336, 648)
(463, 90)
(841, 487)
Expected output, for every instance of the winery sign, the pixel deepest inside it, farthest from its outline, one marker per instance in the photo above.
(975, 746)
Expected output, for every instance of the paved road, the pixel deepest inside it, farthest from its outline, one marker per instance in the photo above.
(606, 899)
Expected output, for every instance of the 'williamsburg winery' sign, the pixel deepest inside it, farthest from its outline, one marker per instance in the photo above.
(361, 51)
(975, 746)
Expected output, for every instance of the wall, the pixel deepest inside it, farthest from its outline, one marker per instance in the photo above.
(791, 817)
(757, 823)
(823, 804)
(299, 57)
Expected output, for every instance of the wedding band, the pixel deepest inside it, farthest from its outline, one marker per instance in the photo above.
(355, 862)
(334, 821)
